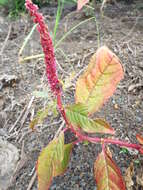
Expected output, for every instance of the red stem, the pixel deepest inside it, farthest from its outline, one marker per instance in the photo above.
(123, 143)
(106, 140)
(61, 108)
(82, 137)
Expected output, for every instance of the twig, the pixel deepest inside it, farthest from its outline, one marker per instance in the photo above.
(51, 124)
(60, 68)
(131, 30)
(18, 119)
(26, 40)
(22, 136)
(32, 181)
(70, 31)
(58, 42)
(107, 1)
(20, 164)
(6, 39)
(22, 60)
(26, 112)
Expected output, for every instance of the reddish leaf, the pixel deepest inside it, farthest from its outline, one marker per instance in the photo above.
(104, 127)
(107, 174)
(98, 83)
(141, 150)
(81, 3)
(139, 138)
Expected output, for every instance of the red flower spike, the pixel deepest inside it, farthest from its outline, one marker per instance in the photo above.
(47, 46)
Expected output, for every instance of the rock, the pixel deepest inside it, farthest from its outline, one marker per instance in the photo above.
(140, 65)
(8, 80)
(9, 156)
(3, 132)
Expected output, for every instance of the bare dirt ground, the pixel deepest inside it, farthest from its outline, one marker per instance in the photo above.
(121, 29)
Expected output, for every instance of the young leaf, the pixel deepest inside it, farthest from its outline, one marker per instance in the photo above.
(81, 3)
(41, 115)
(77, 115)
(53, 161)
(95, 86)
(139, 138)
(107, 174)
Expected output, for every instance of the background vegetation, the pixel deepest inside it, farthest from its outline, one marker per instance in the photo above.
(14, 7)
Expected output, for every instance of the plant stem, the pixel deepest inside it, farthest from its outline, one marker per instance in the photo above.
(93, 139)
(107, 141)
(61, 109)
(123, 143)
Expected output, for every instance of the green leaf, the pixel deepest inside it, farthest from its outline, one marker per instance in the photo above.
(64, 164)
(85, 143)
(137, 161)
(3, 2)
(124, 151)
(77, 115)
(53, 161)
(48, 159)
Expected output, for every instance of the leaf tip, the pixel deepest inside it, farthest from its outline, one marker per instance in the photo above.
(139, 138)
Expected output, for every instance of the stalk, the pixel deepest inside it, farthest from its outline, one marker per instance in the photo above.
(51, 72)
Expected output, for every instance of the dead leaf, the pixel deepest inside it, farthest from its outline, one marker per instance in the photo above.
(128, 177)
(140, 180)
(139, 176)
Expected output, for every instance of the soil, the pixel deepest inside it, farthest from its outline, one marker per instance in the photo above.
(121, 29)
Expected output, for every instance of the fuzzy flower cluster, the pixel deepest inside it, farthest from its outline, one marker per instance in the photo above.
(47, 46)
